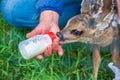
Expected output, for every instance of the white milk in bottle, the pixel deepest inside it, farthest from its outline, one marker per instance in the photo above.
(36, 45)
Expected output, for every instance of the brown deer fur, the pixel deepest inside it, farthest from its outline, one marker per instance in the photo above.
(96, 24)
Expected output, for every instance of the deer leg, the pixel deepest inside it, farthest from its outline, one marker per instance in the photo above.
(115, 53)
(96, 60)
(115, 65)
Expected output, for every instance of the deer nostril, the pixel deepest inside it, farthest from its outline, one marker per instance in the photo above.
(60, 35)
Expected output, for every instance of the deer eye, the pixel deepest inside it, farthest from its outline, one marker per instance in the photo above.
(76, 32)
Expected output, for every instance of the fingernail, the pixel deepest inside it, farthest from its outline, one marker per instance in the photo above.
(39, 57)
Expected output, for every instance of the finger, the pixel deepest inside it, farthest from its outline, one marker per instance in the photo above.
(48, 51)
(36, 31)
(60, 50)
(39, 57)
(55, 45)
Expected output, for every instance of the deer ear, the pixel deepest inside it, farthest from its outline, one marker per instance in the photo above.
(85, 6)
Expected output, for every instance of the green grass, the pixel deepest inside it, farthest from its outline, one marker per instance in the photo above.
(75, 64)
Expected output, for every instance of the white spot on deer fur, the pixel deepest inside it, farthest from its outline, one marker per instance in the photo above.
(114, 22)
(96, 15)
(110, 18)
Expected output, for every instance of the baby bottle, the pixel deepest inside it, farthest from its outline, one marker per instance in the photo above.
(36, 45)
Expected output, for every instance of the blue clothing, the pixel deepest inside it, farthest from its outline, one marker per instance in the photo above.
(25, 13)
(55, 5)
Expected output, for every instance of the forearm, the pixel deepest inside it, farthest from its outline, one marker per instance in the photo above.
(49, 16)
(118, 6)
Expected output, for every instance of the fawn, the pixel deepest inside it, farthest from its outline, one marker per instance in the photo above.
(97, 25)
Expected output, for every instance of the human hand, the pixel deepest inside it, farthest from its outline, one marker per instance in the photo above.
(48, 25)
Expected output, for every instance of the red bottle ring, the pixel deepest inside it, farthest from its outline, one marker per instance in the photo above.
(52, 36)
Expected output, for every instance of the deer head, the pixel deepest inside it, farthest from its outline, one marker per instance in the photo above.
(96, 24)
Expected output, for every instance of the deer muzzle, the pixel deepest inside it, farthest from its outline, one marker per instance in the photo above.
(60, 35)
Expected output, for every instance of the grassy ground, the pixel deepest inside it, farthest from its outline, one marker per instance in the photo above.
(75, 64)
